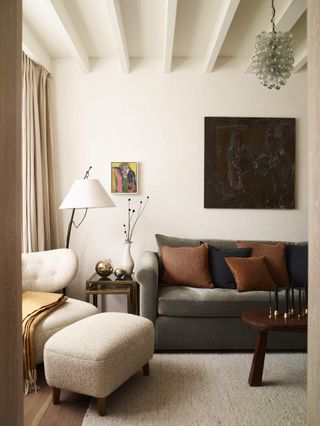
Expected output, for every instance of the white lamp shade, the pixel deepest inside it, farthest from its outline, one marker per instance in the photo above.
(86, 194)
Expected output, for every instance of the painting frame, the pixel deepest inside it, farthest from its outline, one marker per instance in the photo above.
(124, 177)
(249, 162)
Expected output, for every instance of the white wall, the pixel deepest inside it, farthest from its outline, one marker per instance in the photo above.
(158, 120)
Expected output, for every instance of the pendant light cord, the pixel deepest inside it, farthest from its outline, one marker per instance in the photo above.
(272, 17)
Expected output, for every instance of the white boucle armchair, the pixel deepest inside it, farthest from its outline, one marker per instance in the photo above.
(52, 271)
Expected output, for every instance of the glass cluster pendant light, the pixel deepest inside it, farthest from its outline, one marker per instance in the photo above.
(274, 57)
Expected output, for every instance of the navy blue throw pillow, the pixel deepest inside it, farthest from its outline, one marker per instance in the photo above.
(297, 263)
(220, 272)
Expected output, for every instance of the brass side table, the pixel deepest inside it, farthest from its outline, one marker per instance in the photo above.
(97, 285)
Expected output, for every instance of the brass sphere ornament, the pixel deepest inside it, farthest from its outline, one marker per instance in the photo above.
(104, 268)
(119, 273)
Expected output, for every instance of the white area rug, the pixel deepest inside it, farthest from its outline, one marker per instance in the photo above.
(209, 389)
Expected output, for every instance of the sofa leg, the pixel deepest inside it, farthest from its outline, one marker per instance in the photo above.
(55, 395)
(101, 406)
(146, 369)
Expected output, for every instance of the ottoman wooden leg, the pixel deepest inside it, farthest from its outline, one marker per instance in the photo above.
(101, 406)
(55, 395)
(146, 369)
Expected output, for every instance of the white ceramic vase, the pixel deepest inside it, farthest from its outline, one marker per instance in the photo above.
(127, 263)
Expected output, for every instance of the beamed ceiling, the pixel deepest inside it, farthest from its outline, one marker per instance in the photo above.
(210, 32)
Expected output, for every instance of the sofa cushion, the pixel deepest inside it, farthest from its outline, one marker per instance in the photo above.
(250, 273)
(297, 263)
(186, 266)
(180, 301)
(275, 256)
(220, 272)
(164, 240)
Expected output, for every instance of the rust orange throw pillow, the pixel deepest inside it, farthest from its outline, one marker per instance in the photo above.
(250, 273)
(186, 266)
(275, 257)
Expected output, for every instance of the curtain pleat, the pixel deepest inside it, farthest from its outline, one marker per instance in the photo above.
(39, 220)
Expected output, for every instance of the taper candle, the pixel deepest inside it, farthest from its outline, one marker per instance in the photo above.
(276, 298)
(299, 313)
(306, 297)
(292, 298)
(270, 305)
(287, 303)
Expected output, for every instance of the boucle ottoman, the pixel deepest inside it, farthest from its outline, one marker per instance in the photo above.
(97, 354)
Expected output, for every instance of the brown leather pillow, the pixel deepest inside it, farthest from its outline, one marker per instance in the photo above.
(275, 257)
(250, 273)
(186, 266)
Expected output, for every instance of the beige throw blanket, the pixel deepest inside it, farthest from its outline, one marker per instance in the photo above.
(35, 306)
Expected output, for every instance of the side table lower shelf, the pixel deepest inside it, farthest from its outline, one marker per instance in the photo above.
(97, 285)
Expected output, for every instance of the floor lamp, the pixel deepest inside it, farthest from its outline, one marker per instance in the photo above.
(85, 194)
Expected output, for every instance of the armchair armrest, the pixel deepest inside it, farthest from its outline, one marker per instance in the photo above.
(147, 274)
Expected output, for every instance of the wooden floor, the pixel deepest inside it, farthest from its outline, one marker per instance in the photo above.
(39, 410)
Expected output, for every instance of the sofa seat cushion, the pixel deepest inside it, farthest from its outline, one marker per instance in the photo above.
(71, 311)
(180, 301)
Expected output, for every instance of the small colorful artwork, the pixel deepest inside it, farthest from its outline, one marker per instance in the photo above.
(124, 177)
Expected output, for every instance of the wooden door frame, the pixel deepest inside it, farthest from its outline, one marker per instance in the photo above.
(11, 390)
(314, 211)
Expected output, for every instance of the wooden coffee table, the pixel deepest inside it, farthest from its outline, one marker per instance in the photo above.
(260, 322)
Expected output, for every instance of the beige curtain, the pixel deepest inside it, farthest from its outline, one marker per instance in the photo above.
(39, 222)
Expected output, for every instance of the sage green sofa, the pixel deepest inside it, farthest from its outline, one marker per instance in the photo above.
(188, 318)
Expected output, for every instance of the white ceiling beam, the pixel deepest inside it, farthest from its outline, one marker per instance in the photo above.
(70, 34)
(300, 61)
(222, 24)
(287, 17)
(301, 58)
(117, 28)
(169, 29)
(34, 49)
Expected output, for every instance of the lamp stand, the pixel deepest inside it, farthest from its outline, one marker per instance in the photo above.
(69, 228)
(86, 176)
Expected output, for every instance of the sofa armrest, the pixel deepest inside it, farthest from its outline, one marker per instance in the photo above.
(147, 274)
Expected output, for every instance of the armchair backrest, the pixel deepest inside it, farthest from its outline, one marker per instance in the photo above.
(50, 270)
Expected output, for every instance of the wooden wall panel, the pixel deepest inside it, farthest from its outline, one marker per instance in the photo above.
(314, 212)
(11, 392)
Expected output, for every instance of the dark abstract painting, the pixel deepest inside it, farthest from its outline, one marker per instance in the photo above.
(249, 163)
